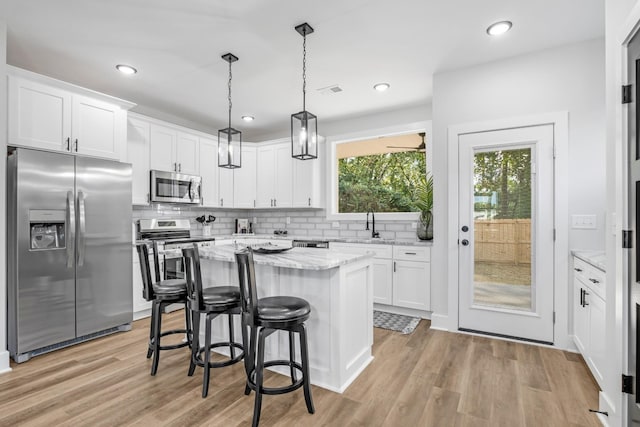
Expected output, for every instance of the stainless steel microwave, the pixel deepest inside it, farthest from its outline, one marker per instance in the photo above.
(172, 187)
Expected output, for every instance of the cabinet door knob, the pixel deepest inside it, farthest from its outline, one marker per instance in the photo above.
(465, 242)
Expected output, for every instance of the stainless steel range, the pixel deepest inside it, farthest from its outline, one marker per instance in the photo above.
(171, 234)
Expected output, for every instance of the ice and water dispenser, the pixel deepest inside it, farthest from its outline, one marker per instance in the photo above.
(47, 229)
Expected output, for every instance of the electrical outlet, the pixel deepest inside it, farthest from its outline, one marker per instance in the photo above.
(288, 220)
(335, 224)
(255, 219)
(583, 221)
(414, 225)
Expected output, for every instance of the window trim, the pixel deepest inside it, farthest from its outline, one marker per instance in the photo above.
(331, 169)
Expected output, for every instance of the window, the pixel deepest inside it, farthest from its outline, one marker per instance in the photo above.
(378, 174)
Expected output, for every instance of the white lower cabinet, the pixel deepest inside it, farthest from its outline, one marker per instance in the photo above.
(589, 316)
(402, 274)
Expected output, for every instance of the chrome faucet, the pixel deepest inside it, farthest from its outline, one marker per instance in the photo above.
(374, 233)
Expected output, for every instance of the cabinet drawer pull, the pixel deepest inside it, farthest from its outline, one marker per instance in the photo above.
(578, 270)
(309, 201)
(394, 266)
(179, 167)
(76, 145)
(68, 144)
(584, 299)
(221, 202)
(581, 297)
(593, 280)
(410, 253)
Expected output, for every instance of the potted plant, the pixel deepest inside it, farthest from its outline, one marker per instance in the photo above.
(423, 202)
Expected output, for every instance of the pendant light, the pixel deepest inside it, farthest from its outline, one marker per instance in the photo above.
(229, 139)
(304, 125)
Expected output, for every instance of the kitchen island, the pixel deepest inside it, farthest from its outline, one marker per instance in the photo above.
(338, 287)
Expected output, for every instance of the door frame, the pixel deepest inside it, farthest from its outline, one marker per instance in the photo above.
(560, 122)
(617, 301)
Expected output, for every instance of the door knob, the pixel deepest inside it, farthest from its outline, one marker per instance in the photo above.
(465, 228)
(465, 242)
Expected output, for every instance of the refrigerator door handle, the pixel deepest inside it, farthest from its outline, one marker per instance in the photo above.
(71, 229)
(81, 229)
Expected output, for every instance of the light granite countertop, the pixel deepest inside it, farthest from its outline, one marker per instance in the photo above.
(296, 258)
(596, 258)
(378, 241)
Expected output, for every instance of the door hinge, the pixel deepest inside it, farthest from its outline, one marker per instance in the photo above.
(627, 236)
(626, 94)
(627, 384)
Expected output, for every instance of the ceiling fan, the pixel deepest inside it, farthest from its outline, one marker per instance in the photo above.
(422, 147)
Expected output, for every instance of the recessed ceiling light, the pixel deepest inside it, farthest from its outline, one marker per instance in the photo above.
(126, 69)
(381, 87)
(248, 118)
(499, 28)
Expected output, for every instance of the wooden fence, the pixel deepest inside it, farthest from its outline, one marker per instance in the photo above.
(505, 241)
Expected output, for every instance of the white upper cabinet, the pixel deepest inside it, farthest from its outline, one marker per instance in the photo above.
(274, 176)
(225, 186)
(163, 148)
(209, 172)
(174, 150)
(266, 171)
(97, 128)
(138, 155)
(52, 118)
(307, 183)
(39, 115)
(187, 153)
(244, 180)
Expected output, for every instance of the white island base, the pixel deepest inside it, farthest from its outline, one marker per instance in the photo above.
(340, 328)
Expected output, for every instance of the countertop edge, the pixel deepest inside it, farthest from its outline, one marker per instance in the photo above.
(595, 258)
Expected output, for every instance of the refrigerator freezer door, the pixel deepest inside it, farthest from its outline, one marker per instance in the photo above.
(41, 281)
(104, 296)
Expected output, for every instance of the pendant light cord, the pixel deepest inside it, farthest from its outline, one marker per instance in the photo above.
(304, 71)
(230, 76)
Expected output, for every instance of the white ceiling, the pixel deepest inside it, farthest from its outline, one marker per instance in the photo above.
(176, 47)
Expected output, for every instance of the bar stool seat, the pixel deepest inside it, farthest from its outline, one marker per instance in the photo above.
(221, 296)
(281, 309)
(171, 287)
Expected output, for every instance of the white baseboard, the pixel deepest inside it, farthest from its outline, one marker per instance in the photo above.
(439, 322)
(4, 362)
(606, 405)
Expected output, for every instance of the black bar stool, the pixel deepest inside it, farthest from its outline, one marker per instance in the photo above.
(161, 293)
(212, 302)
(262, 317)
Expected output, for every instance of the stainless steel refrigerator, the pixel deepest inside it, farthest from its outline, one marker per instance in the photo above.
(69, 250)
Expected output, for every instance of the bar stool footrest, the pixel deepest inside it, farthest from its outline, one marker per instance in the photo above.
(199, 360)
(277, 390)
(172, 346)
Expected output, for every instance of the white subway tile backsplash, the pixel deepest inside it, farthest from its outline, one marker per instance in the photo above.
(304, 222)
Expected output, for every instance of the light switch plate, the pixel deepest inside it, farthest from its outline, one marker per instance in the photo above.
(288, 220)
(584, 222)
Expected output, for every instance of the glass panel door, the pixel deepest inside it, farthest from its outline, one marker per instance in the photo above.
(502, 228)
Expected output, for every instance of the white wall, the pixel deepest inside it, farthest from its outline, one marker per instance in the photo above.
(569, 78)
(4, 355)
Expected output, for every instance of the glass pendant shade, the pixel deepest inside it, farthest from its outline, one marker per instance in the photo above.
(304, 136)
(229, 148)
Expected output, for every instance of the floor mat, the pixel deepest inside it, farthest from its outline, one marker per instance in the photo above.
(395, 322)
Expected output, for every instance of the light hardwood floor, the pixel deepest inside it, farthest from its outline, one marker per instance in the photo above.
(428, 378)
